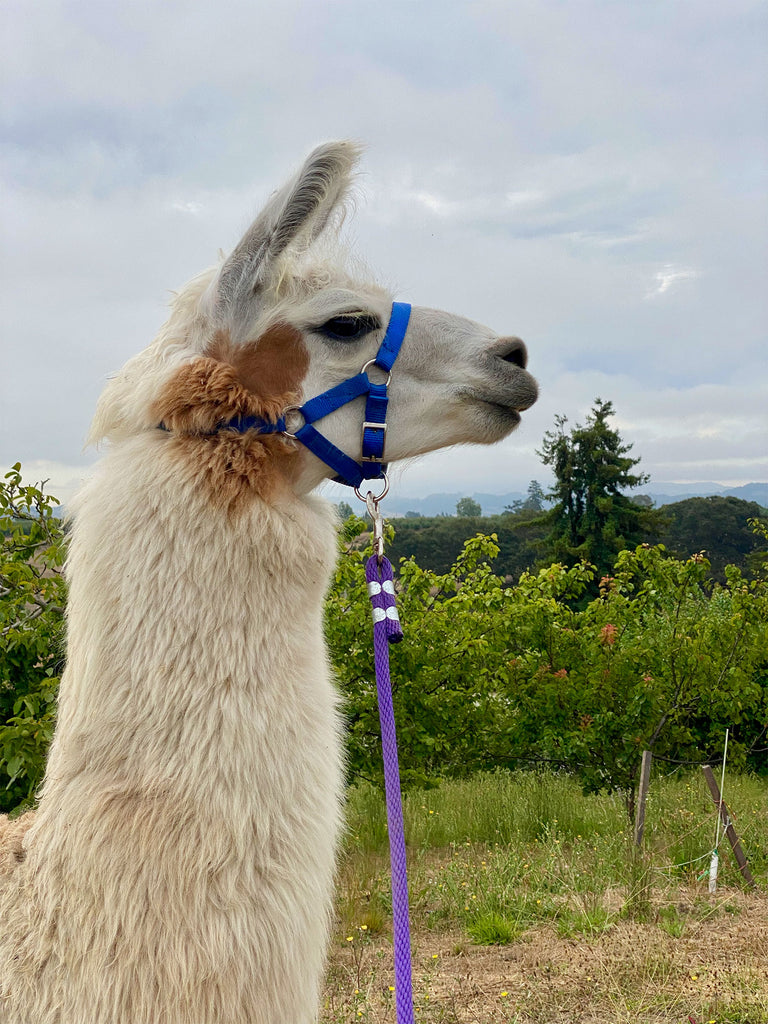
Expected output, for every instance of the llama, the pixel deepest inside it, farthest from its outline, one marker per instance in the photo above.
(179, 867)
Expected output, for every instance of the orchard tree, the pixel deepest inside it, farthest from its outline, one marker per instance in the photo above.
(659, 661)
(592, 519)
(443, 671)
(32, 598)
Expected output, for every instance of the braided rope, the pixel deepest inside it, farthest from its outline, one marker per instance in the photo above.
(386, 630)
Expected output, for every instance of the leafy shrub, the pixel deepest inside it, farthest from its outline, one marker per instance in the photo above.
(32, 599)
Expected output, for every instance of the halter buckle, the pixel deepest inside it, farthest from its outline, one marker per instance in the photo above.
(378, 457)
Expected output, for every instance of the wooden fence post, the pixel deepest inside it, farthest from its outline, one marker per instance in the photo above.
(730, 831)
(645, 778)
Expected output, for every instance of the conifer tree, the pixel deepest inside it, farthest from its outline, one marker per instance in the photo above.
(592, 519)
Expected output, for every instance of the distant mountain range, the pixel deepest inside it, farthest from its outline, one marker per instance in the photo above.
(662, 493)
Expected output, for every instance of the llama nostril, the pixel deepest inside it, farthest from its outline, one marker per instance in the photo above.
(513, 351)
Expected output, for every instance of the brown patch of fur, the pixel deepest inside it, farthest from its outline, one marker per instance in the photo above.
(273, 365)
(260, 378)
(203, 394)
(236, 467)
(12, 832)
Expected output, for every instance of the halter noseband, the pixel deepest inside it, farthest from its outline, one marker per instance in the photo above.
(374, 428)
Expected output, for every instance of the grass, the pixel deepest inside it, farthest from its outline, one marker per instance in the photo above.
(529, 903)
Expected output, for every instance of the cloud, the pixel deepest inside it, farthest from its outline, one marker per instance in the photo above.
(584, 175)
(188, 206)
(670, 277)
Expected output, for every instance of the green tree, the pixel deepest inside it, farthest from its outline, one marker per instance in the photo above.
(32, 599)
(490, 675)
(536, 498)
(468, 507)
(592, 519)
(344, 509)
(718, 525)
(534, 502)
(658, 661)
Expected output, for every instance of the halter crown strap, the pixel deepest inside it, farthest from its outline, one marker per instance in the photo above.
(393, 339)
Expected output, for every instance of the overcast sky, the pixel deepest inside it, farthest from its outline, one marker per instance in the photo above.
(587, 174)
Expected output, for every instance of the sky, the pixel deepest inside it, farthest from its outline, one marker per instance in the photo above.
(587, 174)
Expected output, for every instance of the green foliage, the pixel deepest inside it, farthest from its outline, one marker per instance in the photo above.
(490, 675)
(757, 560)
(32, 599)
(435, 542)
(534, 502)
(468, 507)
(592, 520)
(718, 526)
(656, 662)
(442, 713)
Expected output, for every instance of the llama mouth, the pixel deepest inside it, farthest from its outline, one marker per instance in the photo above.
(499, 415)
(521, 390)
(511, 391)
(508, 412)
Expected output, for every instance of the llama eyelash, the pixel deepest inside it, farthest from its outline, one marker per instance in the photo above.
(349, 326)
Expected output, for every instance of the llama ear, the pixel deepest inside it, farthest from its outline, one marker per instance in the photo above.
(297, 213)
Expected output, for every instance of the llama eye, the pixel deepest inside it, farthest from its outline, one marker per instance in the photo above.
(349, 327)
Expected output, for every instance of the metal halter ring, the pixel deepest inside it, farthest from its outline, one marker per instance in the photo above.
(370, 495)
(291, 408)
(372, 362)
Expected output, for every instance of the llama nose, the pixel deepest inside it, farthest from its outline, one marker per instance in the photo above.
(513, 350)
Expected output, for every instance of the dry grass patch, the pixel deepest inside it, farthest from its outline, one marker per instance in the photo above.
(634, 972)
(531, 905)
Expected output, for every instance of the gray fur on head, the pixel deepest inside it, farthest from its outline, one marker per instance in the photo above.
(294, 217)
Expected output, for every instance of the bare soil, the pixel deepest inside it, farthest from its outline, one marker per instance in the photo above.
(715, 970)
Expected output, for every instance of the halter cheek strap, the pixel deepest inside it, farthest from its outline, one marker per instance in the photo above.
(374, 427)
(374, 424)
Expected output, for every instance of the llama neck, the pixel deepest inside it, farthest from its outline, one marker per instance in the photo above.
(189, 630)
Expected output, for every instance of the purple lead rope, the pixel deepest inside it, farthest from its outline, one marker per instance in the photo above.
(386, 630)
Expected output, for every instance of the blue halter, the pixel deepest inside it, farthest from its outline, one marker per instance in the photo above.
(374, 425)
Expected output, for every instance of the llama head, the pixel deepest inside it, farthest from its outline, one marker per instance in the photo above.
(282, 320)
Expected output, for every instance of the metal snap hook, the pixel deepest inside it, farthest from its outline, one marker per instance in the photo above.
(372, 504)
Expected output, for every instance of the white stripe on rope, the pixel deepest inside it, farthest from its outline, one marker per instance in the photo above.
(379, 614)
(374, 588)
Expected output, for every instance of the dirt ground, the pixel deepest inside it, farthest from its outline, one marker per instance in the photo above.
(716, 969)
